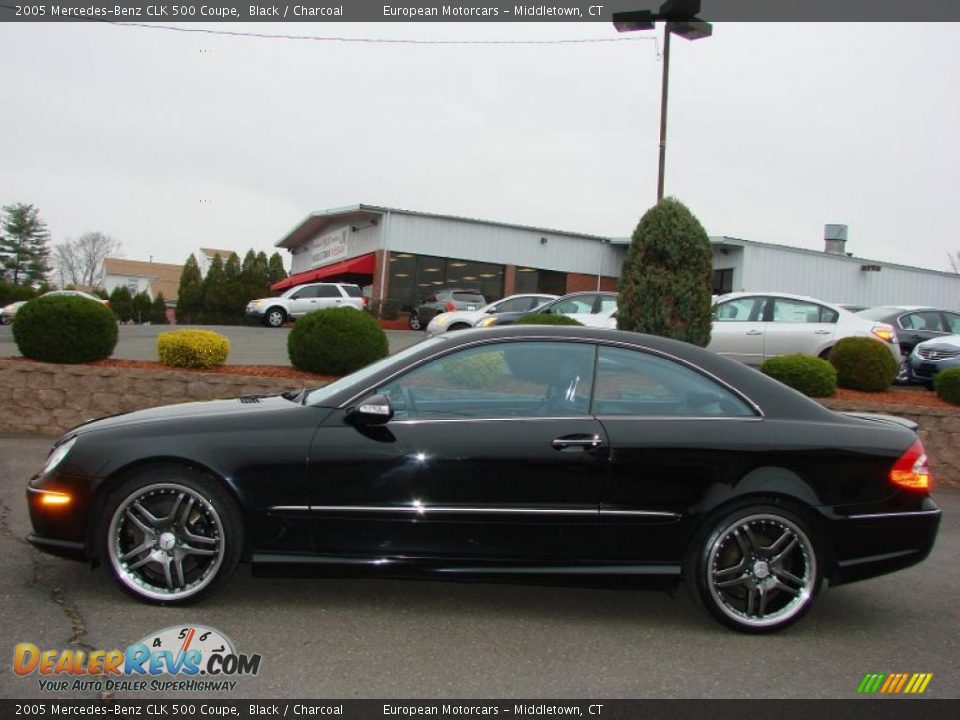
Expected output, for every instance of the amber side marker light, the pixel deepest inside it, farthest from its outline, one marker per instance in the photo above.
(49, 498)
(910, 470)
(884, 332)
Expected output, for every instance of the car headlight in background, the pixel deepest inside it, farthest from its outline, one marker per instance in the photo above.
(487, 322)
(58, 454)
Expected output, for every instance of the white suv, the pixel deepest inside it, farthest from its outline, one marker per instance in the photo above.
(301, 299)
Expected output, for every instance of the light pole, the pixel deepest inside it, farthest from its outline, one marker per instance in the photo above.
(680, 20)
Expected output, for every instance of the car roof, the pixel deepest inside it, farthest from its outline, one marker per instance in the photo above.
(785, 296)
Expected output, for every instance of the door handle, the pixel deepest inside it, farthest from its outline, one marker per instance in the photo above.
(821, 332)
(587, 442)
(754, 332)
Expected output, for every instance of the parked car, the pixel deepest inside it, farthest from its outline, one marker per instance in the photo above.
(931, 356)
(445, 300)
(753, 327)
(913, 325)
(591, 308)
(77, 293)
(464, 319)
(9, 312)
(301, 299)
(577, 454)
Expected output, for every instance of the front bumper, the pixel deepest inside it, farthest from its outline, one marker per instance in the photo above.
(60, 530)
(255, 312)
(927, 369)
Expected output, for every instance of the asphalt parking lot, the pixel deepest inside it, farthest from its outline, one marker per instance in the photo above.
(249, 345)
(406, 639)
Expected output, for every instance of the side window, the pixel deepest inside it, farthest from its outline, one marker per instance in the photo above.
(630, 382)
(924, 321)
(746, 309)
(608, 303)
(797, 311)
(327, 291)
(514, 305)
(953, 322)
(507, 379)
(537, 302)
(579, 304)
(304, 293)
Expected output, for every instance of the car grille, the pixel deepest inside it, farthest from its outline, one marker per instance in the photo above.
(249, 399)
(937, 353)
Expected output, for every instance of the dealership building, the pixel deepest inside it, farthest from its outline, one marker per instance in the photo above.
(405, 255)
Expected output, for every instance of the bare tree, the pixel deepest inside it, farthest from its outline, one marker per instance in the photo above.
(80, 261)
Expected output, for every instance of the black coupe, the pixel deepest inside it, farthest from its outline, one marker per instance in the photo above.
(545, 454)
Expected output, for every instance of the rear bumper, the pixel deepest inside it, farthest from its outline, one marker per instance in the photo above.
(869, 545)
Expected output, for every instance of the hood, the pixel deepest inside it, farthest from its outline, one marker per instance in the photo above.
(947, 342)
(210, 409)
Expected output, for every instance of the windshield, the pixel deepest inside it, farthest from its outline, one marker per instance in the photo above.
(322, 394)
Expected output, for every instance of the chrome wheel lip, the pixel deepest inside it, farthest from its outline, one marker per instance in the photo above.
(130, 578)
(793, 608)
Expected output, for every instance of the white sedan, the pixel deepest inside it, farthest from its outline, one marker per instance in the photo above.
(463, 319)
(754, 326)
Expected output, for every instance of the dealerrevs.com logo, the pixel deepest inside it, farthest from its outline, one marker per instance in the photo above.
(194, 658)
(894, 683)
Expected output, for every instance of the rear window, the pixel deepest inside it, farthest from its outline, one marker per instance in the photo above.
(469, 297)
(353, 290)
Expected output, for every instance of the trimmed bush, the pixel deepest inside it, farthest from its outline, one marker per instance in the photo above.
(192, 348)
(65, 329)
(811, 376)
(863, 363)
(477, 370)
(547, 319)
(946, 383)
(336, 341)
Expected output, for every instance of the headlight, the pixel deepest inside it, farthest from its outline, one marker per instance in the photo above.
(441, 320)
(487, 322)
(58, 454)
(257, 303)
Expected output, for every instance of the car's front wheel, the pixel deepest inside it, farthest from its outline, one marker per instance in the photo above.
(756, 569)
(171, 535)
(414, 321)
(275, 317)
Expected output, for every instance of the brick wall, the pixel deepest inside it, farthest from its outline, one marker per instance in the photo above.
(577, 282)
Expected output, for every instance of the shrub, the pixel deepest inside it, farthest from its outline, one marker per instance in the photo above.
(547, 319)
(665, 278)
(64, 329)
(811, 376)
(192, 348)
(946, 383)
(477, 370)
(336, 341)
(863, 363)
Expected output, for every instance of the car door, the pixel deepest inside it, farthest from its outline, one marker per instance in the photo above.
(738, 329)
(328, 296)
(951, 322)
(303, 301)
(798, 326)
(916, 327)
(673, 433)
(491, 454)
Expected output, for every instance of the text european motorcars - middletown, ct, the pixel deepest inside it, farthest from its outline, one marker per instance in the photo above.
(556, 454)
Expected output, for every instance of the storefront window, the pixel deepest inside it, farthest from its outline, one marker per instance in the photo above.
(532, 280)
(414, 277)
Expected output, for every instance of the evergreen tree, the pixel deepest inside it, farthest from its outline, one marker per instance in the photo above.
(158, 310)
(190, 294)
(276, 272)
(121, 303)
(24, 249)
(216, 300)
(235, 291)
(261, 275)
(141, 308)
(665, 278)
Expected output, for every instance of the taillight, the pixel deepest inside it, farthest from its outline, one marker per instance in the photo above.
(450, 306)
(884, 332)
(910, 471)
(363, 300)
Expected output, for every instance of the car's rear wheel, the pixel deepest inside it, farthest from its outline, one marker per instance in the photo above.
(275, 317)
(171, 535)
(756, 569)
(414, 321)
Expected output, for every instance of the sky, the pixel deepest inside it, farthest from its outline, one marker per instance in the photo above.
(170, 141)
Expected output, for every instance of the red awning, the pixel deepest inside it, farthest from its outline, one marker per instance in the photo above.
(363, 265)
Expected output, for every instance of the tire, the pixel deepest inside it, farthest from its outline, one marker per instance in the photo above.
(414, 321)
(755, 568)
(825, 355)
(275, 317)
(904, 374)
(170, 535)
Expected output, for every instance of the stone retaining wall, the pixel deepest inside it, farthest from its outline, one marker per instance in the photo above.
(48, 399)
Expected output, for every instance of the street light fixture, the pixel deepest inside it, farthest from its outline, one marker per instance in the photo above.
(680, 20)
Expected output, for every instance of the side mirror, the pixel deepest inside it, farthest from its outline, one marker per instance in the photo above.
(375, 410)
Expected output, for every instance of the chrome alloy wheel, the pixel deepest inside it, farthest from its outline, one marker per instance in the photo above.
(762, 570)
(165, 541)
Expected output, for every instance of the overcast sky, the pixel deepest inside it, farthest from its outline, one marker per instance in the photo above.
(172, 141)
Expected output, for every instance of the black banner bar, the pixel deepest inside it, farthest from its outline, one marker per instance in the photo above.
(858, 709)
(189, 11)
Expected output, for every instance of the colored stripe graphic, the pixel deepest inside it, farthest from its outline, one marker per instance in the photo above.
(894, 683)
